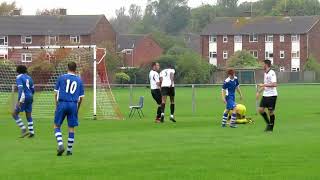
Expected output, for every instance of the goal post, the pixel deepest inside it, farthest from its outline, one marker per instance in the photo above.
(47, 63)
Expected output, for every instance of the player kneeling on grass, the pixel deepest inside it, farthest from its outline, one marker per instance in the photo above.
(69, 93)
(229, 88)
(25, 100)
(241, 115)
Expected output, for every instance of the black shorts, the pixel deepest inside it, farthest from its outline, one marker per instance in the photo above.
(269, 102)
(156, 94)
(168, 91)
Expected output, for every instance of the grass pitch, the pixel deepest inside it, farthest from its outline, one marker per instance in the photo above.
(194, 148)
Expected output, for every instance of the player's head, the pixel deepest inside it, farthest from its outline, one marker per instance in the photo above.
(267, 64)
(231, 73)
(22, 69)
(72, 66)
(155, 66)
(170, 66)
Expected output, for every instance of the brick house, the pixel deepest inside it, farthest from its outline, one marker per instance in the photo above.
(64, 29)
(138, 50)
(286, 41)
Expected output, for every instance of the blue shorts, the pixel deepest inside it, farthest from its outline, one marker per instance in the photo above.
(69, 110)
(25, 107)
(231, 102)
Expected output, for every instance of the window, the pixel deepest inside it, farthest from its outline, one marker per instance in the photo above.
(52, 40)
(75, 39)
(213, 39)
(225, 54)
(254, 54)
(225, 39)
(269, 55)
(253, 38)
(213, 54)
(26, 39)
(281, 38)
(3, 40)
(3, 56)
(282, 55)
(238, 39)
(295, 38)
(295, 54)
(128, 52)
(295, 69)
(282, 69)
(26, 57)
(269, 38)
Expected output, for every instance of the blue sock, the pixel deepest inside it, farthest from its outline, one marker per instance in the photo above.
(58, 134)
(70, 141)
(233, 119)
(224, 119)
(30, 125)
(19, 122)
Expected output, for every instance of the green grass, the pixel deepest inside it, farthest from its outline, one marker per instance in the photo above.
(194, 148)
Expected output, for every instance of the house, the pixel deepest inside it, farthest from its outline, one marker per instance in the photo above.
(286, 41)
(19, 30)
(138, 50)
(192, 41)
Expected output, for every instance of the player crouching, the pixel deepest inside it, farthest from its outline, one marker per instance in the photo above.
(241, 111)
(230, 85)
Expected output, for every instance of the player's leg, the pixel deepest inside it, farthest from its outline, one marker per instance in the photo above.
(172, 108)
(233, 118)
(72, 117)
(225, 118)
(19, 121)
(70, 141)
(156, 94)
(164, 94)
(29, 118)
(263, 105)
(58, 120)
(271, 112)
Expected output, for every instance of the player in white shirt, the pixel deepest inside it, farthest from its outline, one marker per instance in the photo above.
(270, 94)
(167, 89)
(154, 79)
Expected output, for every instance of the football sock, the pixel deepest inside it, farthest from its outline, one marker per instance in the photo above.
(58, 134)
(70, 141)
(265, 117)
(159, 112)
(233, 119)
(172, 109)
(272, 118)
(163, 107)
(224, 119)
(30, 125)
(19, 122)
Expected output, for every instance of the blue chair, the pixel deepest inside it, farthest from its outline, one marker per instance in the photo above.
(137, 108)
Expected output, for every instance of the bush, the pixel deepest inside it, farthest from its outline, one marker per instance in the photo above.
(243, 59)
(122, 77)
(312, 64)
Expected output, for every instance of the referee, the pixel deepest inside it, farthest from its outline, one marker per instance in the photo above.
(155, 87)
(270, 94)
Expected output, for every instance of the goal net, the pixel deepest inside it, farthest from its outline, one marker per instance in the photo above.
(45, 64)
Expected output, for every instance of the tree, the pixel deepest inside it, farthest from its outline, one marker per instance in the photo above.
(201, 16)
(122, 77)
(312, 64)
(228, 4)
(243, 59)
(48, 12)
(6, 9)
(135, 12)
(177, 20)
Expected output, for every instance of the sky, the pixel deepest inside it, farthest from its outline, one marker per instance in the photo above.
(86, 7)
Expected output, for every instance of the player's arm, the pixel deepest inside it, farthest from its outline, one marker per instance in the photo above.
(273, 82)
(239, 90)
(172, 78)
(21, 96)
(56, 91)
(157, 79)
(81, 95)
(223, 95)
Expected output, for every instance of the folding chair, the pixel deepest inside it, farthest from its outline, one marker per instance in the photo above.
(137, 108)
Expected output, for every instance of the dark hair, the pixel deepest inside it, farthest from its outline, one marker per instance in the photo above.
(231, 72)
(169, 66)
(72, 66)
(153, 64)
(22, 69)
(267, 62)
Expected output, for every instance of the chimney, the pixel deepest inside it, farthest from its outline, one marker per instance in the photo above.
(62, 12)
(16, 12)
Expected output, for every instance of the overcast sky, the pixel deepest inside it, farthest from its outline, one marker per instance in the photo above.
(106, 7)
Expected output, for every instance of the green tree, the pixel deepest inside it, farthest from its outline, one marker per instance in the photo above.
(122, 77)
(201, 16)
(48, 12)
(243, 59)
(6, 9)
(312, 64)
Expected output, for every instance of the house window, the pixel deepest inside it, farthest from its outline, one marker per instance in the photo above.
(282, 55)
(295, 38)
(26, 39)
(269, 38)
(27, 57)
(52, 40)
(281, 38)
(75, 39)
(238, 39)
(3, 56)
(282, 69)
(3, 40)
(225, 39)
(225, 54)
(269, 55)
(295, 54)
(213, 54)
(213, 39)
(128, 52)
(253, 38)
(254, 54)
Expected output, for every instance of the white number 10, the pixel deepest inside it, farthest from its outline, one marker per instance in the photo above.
(72, 89)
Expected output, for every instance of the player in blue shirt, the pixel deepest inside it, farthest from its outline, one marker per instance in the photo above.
(69, 94)
(25, 100)
(230, 86)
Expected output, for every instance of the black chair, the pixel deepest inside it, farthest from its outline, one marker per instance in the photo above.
(137, 108)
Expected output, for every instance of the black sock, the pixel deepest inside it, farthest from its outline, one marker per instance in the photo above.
(265, 117)
(159, 112)
(172, 109)
(163, 107)
(272, 118)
